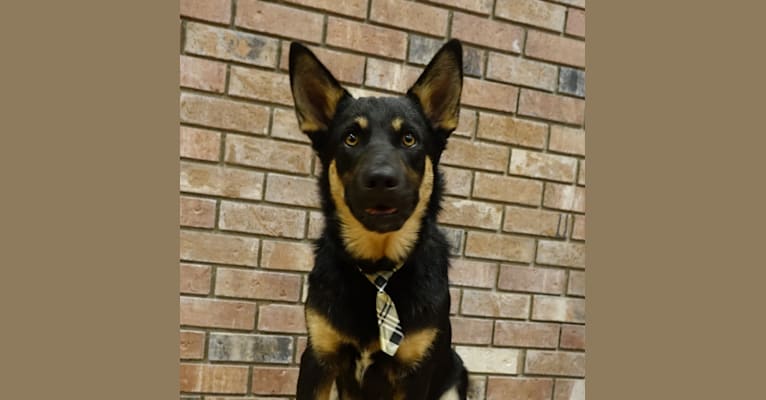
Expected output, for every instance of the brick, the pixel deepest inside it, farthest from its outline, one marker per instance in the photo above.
(410, 15)
(285, 126)
(192, 345)
(477, 387)
(533, 221)
(567, 140)
(526, 334)
(544, 166)
(201, 378)
(300, 346)
(466, 153)
(532, 12)
(499, 388)
(499, 247)
(564, 197)
(576, 22)
(581, 173)
(573, 337)
(209, 10)
(489, 360)
(578, 231)
(470, 213)
(572, 81)
(268, 153)
(197, 212)
(230, 45)
(489, 33)
(257, 284)
(316, 224)
(471, 330)
(390, 76)
(422, 49)
(496, 305)
(472, 273)
(457, 181)
(558, 49)
(521, 71)
(224, 113)
(507, 129)
(507, 189)
(194, 279)
(569, 389)
(293, 190)
(260, 85)
(576, 3)
(550, 106)
(202, 144)
(281, 318)
(486, 94)
(219, 248)
(354, 8)
(555, 363)
(215, 313)
(531, 279)
(454, 238)
(221, 181)
(467, 124)
(289, 256)
(202, 74)
(455, 295)
(346, 67)
(576, 285)
(473, 61)
(366, 38)
(270, 380)
(567, 254)
(359, 92)
(478, 6)
(561, 309)
(270, 349)
(279, 20)
(262, 219)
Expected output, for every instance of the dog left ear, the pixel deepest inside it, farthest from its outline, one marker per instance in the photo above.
(438, 88)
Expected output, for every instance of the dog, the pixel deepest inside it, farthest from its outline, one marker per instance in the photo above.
(377, 310)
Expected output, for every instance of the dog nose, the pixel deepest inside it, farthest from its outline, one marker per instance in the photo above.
(381, 178)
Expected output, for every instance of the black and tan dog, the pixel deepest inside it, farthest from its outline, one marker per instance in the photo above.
(380, 189)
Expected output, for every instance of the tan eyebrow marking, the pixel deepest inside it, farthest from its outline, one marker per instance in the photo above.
(396, 123)
(361, 121)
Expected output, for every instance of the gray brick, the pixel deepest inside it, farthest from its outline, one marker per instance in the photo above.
(572, 81)
(422, 49)
(473, 61)
(252, 348)
(455, 239)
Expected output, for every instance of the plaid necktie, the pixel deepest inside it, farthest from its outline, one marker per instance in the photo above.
(388, 319)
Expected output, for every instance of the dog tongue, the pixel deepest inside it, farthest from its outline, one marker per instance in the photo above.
(380, 210)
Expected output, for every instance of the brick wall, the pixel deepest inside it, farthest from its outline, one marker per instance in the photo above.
(515, 195)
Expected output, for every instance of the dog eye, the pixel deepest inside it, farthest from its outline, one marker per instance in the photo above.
(408, 140)
(351, 139)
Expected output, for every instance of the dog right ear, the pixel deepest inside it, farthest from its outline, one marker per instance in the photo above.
(316, 92)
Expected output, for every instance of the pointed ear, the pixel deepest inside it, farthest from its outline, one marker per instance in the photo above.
(438, 87)
(316, 92)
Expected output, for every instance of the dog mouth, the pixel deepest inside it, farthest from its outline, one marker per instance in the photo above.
(381, 210)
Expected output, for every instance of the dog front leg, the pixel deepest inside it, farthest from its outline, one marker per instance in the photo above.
(315, 381)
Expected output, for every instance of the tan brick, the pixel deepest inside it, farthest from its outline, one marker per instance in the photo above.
(260, 85)
(576, 285)
(458, 181)
(262, 219)
(477, 387)
(366, 38)
(569, 389)
(285, 126)
(533, 221)
(526, 334)
(202, 74)
(201, 144)
(194, 279)
(346, 67)
(521, 71)
(578, 232)
(486, 94)
(499, 247)
(567, 140)
(507, 129)
(550, 106)
(531, 279)
(223, 113)
(466, 153)
(221, 181)
(230, 45)
(471, 330)
(568, 254)
(300, 347)
(201, 378)
(478, 6)
(209, 10)
(555, 363)
(410, 15)
(472, 273)
(496, 305)
(507, 189)
(576, 22)
(499, 388)
(268, 153)
(215, 313)
(289, 256)
(192, 345)
(281, 318)
(455, 295)
(573, 337)
(316, 224)
(354, 8)
(489, 360)
(581, 173)
(558, 49)
(532, 12)
(390, 76)
(467, 124)
(564, 197)
(471, 213)
(257, 284)
(576, 3)
(197, 212)
(219, 248)
(542, 165)
(274, 380)
(561, 309)
(485, 32)
(359, 92)
(292, 190)
(279, 20)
